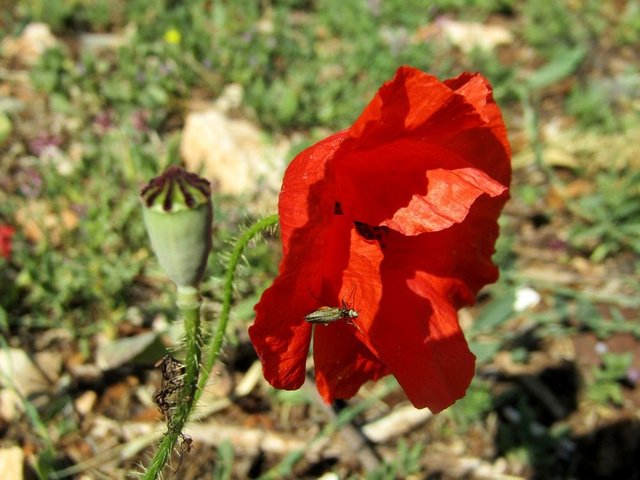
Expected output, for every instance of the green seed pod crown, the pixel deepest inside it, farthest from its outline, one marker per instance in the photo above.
(178, 214)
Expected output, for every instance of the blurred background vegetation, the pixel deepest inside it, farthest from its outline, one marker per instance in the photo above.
(92, 112)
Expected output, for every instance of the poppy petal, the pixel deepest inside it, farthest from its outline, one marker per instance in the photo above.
(343, 363)
(312, 254)
(279, 334)
(458, 258)
(410, 324)
(450, 195)
(413, 104)
(478, 92)
(410, 186)
(305, 195)
(424, 348)
(342, 357)
(403, 206)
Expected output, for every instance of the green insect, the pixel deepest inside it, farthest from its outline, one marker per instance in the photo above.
(326, 315)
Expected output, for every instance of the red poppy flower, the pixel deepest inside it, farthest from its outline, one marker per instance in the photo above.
(397, 218)
(6, 234)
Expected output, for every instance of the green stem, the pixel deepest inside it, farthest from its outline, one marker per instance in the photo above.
(215, 342)
(189, 303)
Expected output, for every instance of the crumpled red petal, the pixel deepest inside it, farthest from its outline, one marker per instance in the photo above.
(343, 363)
(411, 325)
(306, 195)
(413, 126)
(424, 347)
(450, 195)
(279, 333)
(478, 92)
(410, 186)
(280, 339)
(398, 217)
(342, 358)
(423, 292)
(417, 105)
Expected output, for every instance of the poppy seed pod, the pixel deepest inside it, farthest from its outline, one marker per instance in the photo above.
(178, 214)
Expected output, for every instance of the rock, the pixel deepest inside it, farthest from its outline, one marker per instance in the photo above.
(234, 154)
(11, 462)
(27, 48)
(95, 43)
(526, 298)
(84, 403)
(144, 349)
(469, 35)
(18, 371)
(11, 406)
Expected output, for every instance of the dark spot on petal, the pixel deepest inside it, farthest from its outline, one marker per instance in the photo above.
(337, 209)
(377, 234)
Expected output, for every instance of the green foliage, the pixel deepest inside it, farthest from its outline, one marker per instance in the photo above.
(280, 59)
(474, 405)
(348, 49)
(563, 63)
(44, 464)
(554, 25)
(496, 312)
(223, 469)
(605, 386)
(53, 13)
(466, 8)
(608, 220)
(54, 72)
(592, 318)
(93, 15)
(6, 126)
(557, 21)
(520, 434)
(405, 462)
(593, 106)
(628, 31)
(91, 265)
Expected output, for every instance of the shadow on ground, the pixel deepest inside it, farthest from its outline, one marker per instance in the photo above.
(530, 411)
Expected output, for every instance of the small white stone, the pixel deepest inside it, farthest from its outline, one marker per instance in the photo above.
(85, 402)
(526, 298)
(601, 348)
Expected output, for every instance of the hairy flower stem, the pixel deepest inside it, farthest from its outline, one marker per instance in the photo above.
(212, 350)
(189, 303)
